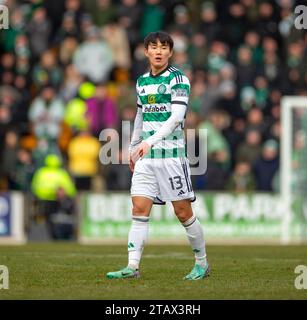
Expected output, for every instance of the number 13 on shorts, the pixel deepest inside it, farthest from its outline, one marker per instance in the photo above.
(176, 182)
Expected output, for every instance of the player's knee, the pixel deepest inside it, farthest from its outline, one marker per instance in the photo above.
(182, 214)
(139, 210)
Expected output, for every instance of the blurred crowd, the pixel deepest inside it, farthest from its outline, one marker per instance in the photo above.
(68, 70)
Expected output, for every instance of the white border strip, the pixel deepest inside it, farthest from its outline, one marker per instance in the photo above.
(287, 103)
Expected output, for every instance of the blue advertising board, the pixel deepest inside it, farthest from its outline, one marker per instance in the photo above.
(5, 215)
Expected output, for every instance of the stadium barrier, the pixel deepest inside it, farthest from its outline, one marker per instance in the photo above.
(12, 218)
(226, 218)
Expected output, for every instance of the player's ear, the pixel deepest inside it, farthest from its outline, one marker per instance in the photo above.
(146, 52)
(171, 53)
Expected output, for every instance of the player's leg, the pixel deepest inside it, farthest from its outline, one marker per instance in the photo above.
(144, 188)
(138, 233)
(184, 213)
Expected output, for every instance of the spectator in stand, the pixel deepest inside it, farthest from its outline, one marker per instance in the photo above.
(241, 179)
(152, 17)
(266, 24)
(83, 152)
(250, 149)
(272, 70)
(229, 100)
(116, 38)
(252, 40)
(20, 104)
(94, 58)
(209, 25)
(23, 58)
(296, 65)
(129, 13)
(47, 71)
(45, 186)
(198, 51)
(75, 9)
(235, 17)
(182, 21)
(17, 25)
(16, 164)
(71, 84)
(247, 99)
(62, 218)
(198, 89)
(9, 158)
(102, 11)
(75, 111)
(262, 92)
(68, 28)
(217, 145)
(23, 173)
(215, 177)
(256, 121)
(7, 62)
(9, 99)
(46, 113)
(101, 111)
(246, 69)
(212, 93)
(217, 57)
(41, 150)
(39, 30)
(266, 166)
(67, 50)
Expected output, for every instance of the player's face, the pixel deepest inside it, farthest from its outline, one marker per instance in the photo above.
(158, 55)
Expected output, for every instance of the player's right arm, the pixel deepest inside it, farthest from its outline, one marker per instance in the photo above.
(137, 132)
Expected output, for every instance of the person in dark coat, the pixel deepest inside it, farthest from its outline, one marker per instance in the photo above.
(266, 166)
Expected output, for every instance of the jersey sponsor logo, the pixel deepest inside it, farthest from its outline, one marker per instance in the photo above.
(151, 99)
(180, 93)
(161, 88)
(143, 91)
(155, 109)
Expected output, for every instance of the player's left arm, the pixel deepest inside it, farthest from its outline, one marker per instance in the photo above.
(180, 90)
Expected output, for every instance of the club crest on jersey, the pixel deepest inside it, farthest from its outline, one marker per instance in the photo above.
(161, 88)
(151, 99)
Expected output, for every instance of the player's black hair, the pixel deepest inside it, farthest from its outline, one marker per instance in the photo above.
(162, 36)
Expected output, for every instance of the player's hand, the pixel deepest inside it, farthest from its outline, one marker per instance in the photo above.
(142, 149)
(133, 158)
(131, 163)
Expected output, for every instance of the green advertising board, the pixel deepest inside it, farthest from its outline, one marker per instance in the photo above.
(224, 216)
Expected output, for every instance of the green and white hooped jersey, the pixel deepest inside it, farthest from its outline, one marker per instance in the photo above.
(155, 95)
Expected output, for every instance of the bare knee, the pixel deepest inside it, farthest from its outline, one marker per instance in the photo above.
(139, 210)
(141, 206)
(183, 214)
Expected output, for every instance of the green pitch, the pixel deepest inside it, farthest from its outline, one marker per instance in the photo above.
(72, 271)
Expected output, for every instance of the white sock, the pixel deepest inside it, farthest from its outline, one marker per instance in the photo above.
(196, 238)
(138, 235)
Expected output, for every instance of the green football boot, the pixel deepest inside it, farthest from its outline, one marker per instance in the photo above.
(124, 273)
(198, 272)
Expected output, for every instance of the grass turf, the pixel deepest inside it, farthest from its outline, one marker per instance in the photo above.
(72, 271)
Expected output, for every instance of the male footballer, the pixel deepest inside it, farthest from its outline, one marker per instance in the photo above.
(158, 159)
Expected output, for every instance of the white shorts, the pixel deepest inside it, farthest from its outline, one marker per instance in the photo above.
(162, 180)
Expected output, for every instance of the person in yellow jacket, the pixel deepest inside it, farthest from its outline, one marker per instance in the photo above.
(54, 189)
(50, 178)
(83, 159)
(75, 111)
